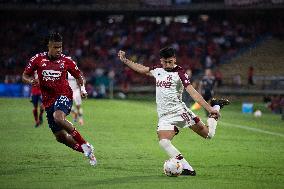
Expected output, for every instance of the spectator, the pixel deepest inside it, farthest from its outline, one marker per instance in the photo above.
(250, 75)
(237, 80)
(218, 77)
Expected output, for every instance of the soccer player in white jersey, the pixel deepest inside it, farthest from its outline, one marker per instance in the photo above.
(173, 113)
(77, 111)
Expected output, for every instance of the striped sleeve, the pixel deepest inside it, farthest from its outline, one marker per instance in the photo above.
(184, 77)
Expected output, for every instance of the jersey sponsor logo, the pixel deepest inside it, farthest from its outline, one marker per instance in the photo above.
(43, 61)
(51, 75)
(169, 78)
(165, 84)
(62, 65)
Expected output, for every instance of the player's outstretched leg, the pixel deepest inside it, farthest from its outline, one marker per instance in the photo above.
(59, 118)
(165, 137)
(87, 148)
(175, 153)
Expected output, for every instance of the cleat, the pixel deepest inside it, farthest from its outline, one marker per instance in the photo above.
(93, 160)
(87, 148)
(221, 102)
(187, 172)
(89, 153)
(37, 124)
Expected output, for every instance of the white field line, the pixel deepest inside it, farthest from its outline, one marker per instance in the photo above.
(251, 129)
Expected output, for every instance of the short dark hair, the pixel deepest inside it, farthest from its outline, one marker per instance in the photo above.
(167, 52)
(55, 37)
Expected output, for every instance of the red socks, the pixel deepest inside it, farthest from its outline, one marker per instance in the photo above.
(76, 135)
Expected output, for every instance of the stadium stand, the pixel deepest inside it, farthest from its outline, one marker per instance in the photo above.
(267, 61)
(211, 39)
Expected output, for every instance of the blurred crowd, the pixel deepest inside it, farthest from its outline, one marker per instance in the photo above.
(93, 42)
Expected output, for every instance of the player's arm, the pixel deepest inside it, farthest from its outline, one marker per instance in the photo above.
(134, 66)
(28, 74)
(29, 79)
(81, 82)
(200, 100)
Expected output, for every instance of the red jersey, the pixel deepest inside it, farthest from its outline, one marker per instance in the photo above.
(52, 75)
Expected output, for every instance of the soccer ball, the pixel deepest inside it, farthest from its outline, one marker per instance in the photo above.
(257, 113)
(172, 167)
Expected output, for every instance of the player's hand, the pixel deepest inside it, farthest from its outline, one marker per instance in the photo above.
(34, 82)
(214, 112)
(83, 92)
(84, 95)
(121, 55)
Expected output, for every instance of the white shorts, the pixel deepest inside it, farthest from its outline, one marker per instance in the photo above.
(77, 97)
(181, 119)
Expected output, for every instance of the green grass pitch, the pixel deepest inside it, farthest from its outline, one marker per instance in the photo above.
(246, 152)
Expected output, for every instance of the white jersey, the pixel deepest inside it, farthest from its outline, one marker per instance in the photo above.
(169, 88)
(75, 88)
(72, 82)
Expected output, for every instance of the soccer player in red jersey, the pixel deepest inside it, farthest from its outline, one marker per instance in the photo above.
(52, 68)
(37, 101)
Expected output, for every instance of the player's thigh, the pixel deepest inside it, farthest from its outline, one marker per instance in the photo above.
(59, 115)
(166, 128)
(50, 119)
(63, 104)
(186, 118)
(166, 134)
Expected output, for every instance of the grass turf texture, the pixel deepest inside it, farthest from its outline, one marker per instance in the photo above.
(124, 135)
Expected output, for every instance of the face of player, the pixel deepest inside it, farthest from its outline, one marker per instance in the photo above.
(54, 49)
(168, 63)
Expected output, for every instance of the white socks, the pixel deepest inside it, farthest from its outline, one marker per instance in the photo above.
(212, 123)
(173, 152)
(216, 107)
(186, 165)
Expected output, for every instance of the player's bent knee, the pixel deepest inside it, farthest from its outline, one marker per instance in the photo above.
(164, 143)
